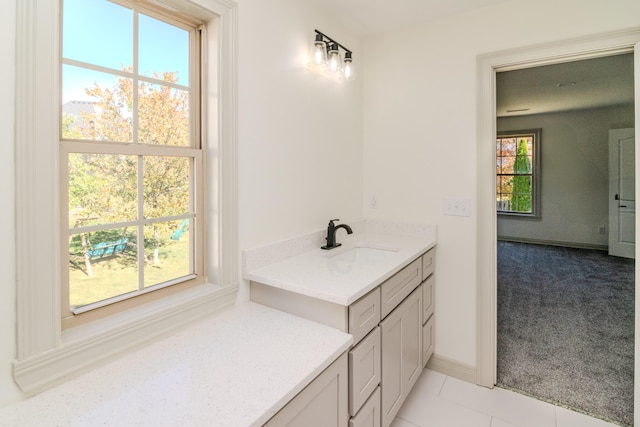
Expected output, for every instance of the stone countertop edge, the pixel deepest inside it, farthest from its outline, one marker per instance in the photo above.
(235, 368)
(313, 274)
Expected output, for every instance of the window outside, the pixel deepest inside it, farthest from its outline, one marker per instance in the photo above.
(130, 141)
(516, 173)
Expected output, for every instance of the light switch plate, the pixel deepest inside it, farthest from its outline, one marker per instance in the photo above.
(456, 206)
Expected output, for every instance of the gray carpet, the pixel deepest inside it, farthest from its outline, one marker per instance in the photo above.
(565, 328)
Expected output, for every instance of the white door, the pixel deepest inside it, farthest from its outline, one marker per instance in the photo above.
(622, 193)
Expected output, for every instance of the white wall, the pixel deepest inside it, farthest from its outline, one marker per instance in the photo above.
(420, 129)
(300, 133)
(8, 390)
(574, 175)
(300, 140)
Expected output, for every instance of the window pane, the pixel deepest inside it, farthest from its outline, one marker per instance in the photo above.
(163, 48)
(505, 184)
(167, 252)
(521, 199)
(166, 186)
(102, 189)
(507, 164)
(102, 265)
(98, 32)
(97, 106)
(509, 146)
(163, 114)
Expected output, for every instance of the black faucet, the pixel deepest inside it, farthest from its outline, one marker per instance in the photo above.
(331, 234)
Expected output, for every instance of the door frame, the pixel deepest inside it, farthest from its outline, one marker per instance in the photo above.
(487, 65)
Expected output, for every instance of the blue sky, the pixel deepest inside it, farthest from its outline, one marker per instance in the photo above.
(101, 32)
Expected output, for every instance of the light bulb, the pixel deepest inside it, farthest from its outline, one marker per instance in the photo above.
(348, 72)
(334, 59)
(319, 51)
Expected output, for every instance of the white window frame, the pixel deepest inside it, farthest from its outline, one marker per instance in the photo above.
(73, 316)
(47, 354)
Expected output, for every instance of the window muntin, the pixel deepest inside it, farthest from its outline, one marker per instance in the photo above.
(133, 154)
(517, 173)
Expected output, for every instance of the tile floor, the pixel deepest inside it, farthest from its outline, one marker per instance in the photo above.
(438, 400)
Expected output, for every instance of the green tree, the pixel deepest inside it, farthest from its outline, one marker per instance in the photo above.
(102, 187)
(521, 198)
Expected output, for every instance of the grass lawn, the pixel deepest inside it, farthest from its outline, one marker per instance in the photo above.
(118, 274)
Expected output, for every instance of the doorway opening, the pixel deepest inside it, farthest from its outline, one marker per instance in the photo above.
(558, 289)
(489, 66)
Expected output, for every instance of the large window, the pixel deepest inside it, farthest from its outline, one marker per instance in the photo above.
(131, 152)
(517, 173)
(111, 169)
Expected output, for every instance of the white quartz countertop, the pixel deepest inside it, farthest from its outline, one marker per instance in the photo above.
(326, 275)
(233, 369)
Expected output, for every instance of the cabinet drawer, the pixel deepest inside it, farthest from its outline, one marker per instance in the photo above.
(428, 340)
(364, 315)
(395, 289)
(369, 415)
(364, 370)
(428, 297)
(428, 263)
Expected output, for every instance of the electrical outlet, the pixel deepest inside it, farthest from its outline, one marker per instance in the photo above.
(602, 230)
(373, 202)
(456, 206)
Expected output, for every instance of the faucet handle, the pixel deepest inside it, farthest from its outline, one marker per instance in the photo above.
(331, 221)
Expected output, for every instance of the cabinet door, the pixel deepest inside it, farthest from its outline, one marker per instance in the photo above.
(323, 403)
(364, 370)
(428, 340)
(401, 354)
(369, 415)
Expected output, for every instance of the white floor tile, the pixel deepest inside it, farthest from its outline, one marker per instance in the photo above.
(502, 404)
(441, 401)
(567, 418)
(430, 383)
(399, 422)
(497, 422)
(431, 411)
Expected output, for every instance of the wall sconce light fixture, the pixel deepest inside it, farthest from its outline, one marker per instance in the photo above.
(326, 56)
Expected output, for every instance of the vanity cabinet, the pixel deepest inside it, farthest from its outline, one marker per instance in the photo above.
(392, 331)
(323, 403)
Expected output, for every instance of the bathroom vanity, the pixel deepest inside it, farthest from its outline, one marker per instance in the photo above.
(380, 289)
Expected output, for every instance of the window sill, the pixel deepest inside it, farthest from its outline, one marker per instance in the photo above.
(513, 215)
(85, 347)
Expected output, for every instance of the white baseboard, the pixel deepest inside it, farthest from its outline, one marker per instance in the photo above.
(452, 368)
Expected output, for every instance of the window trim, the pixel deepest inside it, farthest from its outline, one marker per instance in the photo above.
(47, 355)
(536, 175)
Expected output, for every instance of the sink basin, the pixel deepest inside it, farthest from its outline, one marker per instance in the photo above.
(364, 254)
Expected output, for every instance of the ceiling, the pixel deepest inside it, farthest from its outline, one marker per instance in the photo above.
(591, 83)
(605, 81)
(366, 17)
